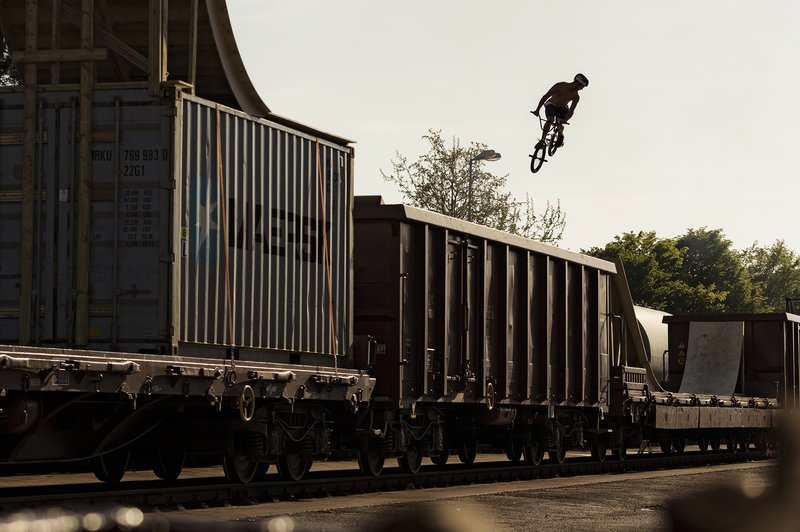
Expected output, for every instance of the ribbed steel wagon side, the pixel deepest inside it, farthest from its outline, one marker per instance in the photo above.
(480, 335)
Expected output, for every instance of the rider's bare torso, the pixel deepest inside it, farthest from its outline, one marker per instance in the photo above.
(562, 93)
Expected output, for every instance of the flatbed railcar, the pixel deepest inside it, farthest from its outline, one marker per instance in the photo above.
(217, 273)
(175, 263)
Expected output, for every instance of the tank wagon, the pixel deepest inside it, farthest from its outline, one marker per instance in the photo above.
(654, 338)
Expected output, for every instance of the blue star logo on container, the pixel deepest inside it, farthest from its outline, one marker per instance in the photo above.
(203, 219)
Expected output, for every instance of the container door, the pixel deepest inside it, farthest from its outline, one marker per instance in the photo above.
(129, 206)
(130, 229)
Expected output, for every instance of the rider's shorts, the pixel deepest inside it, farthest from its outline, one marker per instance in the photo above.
(553, 110)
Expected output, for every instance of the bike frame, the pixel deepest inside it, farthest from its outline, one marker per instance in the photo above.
(550, 135)
(549, 147)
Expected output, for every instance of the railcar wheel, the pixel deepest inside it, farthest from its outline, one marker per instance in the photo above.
(679, 445)
(620, 453)
(468, 450)
(599, 449)
(744, 446)
(441, 458)
(238, 467)
(666, 446)
(370, 457)
(110, 467)
(534, 452)
(513, 450)
(559, 455)
(411, 461)
(715, 444)
(702, 444)
(168, 462)
(620, 449)
(293, 466)
(732, 444)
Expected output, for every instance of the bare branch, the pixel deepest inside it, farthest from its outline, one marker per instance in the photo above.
(439, 181)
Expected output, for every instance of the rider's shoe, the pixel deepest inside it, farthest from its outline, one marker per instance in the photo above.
(560, 141)
(540, 144)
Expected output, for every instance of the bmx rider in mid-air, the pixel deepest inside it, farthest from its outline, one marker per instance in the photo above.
(560, 102)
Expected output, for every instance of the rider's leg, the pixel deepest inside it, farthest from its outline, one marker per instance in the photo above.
(560, 136)
(549, 112)
(546, 130)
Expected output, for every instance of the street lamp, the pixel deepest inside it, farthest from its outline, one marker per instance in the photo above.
(485, 155)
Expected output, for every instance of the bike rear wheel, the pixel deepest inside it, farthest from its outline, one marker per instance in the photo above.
(537, 159)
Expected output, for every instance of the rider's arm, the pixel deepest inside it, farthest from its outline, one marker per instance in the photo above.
(541, 103)
(572, 106)
(544, 99)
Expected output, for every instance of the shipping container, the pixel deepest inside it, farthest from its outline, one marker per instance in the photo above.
(472, 315)
(211, 232)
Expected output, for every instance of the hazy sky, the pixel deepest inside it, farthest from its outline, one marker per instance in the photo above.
(690, 118)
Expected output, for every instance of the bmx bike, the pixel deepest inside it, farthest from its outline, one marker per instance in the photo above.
(549, 146)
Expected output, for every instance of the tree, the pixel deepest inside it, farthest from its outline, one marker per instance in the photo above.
(439, 181)
(8, 73)
(710, 261)
(776, 270)
(546, 227)
(650, 264)
(695, 273)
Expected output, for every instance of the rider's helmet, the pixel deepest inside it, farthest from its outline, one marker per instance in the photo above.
(580, 78)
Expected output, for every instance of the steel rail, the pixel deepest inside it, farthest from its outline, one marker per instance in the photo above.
(212, 492)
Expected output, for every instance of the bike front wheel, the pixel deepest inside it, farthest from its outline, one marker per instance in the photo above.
(537, 159)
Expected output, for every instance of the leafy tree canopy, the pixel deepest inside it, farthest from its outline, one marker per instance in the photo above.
(775, 269)
(711, 262)
(439, 181)
(699, 272)
(650, 264)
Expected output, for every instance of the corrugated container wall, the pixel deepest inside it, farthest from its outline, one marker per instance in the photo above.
(173, 268)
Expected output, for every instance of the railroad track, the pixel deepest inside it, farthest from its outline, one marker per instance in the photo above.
(210, 492)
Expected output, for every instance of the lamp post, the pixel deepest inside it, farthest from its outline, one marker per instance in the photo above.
(485, 155)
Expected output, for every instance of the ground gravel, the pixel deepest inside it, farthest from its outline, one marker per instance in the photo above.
(578, 503)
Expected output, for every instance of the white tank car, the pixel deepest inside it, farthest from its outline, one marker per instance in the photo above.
(654, 335)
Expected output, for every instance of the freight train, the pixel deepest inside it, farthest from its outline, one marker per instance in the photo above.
(183, 277)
